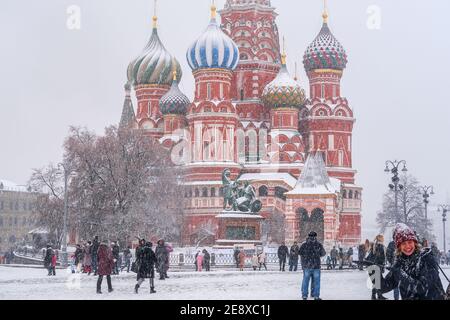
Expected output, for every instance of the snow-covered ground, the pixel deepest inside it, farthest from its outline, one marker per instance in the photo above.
(33, 283)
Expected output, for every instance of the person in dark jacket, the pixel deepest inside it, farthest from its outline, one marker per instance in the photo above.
(361, 255)
(116, 255)
(415, 271)
(350, 257)
(390, 257)
(105, 262)
(145, 261)
(377, 258)
(310, 253)
(293, 257)
(334, 256)
(162, 256)
(206, 260)
(127, 257)
(94, 250)
(48, 259)
(283, 253)
(78, 257)
(341, 256)
(236, 257)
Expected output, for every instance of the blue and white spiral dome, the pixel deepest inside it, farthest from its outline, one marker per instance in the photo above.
(213, 49)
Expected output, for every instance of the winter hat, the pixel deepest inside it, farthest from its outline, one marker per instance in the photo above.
(404, 233)
(312, 234)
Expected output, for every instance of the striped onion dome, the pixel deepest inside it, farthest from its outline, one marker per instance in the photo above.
(283, 91)
(213, 49)
(325, 52)
(174, 101)
(154, 65)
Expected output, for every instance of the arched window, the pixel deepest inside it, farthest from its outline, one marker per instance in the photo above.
(197, 193)
(213, 192)
(221, 192)
(243, 56)
(262, 144)
(242, 94)
(204, 192)
(279, 193)
(344, 194)
(240, 145)
(356, 195)
(252, 146)
(190, 193)
(263, 191)
(350, 194)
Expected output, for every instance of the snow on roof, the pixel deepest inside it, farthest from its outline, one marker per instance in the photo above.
(11, 186)
(314, 178)
(270, 176)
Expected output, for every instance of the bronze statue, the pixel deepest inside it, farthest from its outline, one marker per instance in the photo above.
(237, 197)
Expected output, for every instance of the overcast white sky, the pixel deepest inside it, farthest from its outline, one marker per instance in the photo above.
(396, 80)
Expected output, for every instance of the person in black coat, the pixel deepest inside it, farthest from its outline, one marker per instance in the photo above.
(415, 272)
(48, 259)
(310, 253)
(390, 257)
(116, 255)
(145, 260)
(283, 252)
(206, 260)
(293, 257)
(94, 252)
(377, 258)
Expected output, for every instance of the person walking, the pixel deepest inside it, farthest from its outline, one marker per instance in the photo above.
(106, 264)
(341, 258)
(311, 251)
(94, 250)
(48, 259)
(415, 271)
(206, 260)
(262, 260)
(87, 258)
(334, 256)
(350, 257)
(145, 260)
(53, 264)
(293, 257)
(162, 256)
(283, 252)
(255, 261)
(377, 256)
(236, 257)
(78, 258)
(362, 251)
(116, 255)
(199, 261)
(127, 257)
(241, 260)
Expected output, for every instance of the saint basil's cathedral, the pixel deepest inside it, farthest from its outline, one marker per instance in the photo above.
(251, 116)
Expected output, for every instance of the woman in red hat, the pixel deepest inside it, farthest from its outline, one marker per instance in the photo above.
(414, 271)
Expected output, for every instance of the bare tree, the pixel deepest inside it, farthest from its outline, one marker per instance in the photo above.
(122, 185)
(410, 208)
(49, 207)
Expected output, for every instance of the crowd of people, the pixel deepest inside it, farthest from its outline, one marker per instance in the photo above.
(104, 259)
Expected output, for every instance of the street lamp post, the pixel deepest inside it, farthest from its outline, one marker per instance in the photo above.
(425, 192)
(444, 208)
(395, 185)
(64, 238)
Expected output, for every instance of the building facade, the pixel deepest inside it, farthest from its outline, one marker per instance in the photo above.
(251, 116)
(16, 214)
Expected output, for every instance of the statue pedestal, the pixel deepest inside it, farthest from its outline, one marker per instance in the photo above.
(240, 228)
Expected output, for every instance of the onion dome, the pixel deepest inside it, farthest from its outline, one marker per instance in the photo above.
(174, 101)
(283, 91)
(325, 52)
(213, 49)
(155, 64)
